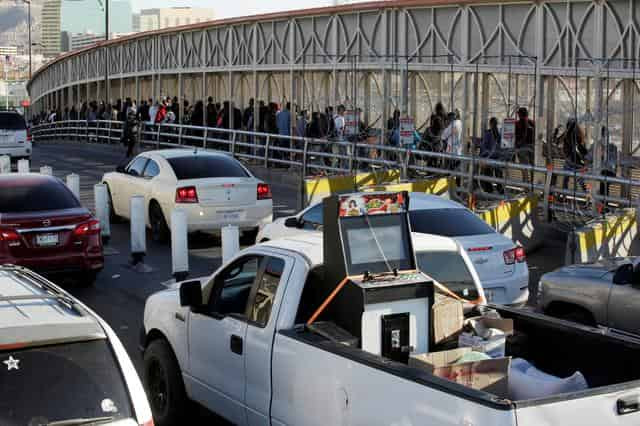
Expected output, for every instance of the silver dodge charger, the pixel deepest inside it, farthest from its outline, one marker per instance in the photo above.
(605, 293)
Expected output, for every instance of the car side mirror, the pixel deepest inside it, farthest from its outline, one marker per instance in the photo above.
(623, 275)
(191, 294)
(120, 169)
(292, 222)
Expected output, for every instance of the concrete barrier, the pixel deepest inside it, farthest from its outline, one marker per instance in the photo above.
(614, 236)
(445, 187)
(5, 164)
(518, 220)
(315, 189)
(23, 166)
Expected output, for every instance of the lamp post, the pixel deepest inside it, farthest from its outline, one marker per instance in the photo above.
(28, 2)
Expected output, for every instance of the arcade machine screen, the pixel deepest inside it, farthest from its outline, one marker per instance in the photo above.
(375, 233)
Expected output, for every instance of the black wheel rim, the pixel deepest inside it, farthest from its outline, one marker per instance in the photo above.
(158, 388)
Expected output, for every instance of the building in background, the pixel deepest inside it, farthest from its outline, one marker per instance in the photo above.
(51, 27)
(155, 19)
(87, 16)
(79, 41)
(8, 50)
(135, 22)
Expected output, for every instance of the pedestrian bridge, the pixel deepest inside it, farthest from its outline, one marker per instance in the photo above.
(558, 58)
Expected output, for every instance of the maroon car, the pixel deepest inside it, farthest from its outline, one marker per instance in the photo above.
(44, 227)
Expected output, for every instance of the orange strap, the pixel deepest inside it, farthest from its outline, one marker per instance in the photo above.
(328, 300)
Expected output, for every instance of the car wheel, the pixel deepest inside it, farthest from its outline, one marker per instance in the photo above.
(163, 381)
(88, 278)
(250, 236)
(113, 217)
(159, 229)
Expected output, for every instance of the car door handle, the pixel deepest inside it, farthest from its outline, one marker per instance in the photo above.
(236, 344)
(628, 404)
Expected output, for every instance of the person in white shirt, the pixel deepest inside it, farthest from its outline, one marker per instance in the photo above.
(339, 122)
(452, 136)
(152, 113)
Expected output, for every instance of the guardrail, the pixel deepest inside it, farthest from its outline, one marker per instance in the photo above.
(322, 156)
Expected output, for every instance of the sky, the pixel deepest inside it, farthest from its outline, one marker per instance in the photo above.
(226, 9)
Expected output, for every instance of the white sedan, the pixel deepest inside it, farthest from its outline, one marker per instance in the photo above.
(500, 264)
(214, 190)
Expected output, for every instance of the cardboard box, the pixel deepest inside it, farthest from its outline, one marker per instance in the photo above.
(491, 375)
(494, 346)
(447, 318)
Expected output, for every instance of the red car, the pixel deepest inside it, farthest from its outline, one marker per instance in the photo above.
(44, 227)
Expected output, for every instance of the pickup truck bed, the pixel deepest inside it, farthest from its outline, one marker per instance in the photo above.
(609, 365)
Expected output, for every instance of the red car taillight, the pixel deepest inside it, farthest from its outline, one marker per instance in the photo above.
(264, 192)
(91, 227)
(187, 194)
(514, 255)
(28, 135)
(10, 236)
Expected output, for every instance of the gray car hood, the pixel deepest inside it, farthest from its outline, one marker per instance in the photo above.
(594, 270)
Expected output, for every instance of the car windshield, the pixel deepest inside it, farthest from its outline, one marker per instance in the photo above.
(206, 166)
(12, 121)
(59, 382)
(448, 222)
(29, 196)
(449, 269)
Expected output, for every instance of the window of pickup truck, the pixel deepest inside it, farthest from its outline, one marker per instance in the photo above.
(248, 288)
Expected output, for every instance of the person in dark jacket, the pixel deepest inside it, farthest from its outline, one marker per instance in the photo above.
(491, 149)
(575, 152)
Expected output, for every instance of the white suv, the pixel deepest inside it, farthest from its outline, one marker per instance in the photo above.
(59, 362)
(15, 139)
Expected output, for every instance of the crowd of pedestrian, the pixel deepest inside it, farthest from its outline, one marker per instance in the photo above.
(443, 134)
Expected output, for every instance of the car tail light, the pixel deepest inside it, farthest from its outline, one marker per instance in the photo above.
(91, 227)
(479, 249)
(264, 192)
(147, 423)
(28, 135)
(514, 255)
(10, 236)
(187, 194)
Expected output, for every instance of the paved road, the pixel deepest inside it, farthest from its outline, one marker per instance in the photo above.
(119, 293)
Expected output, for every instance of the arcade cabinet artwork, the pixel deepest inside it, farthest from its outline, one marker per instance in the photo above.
(375, 291)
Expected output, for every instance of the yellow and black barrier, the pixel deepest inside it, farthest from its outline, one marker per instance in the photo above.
(318, 188)
(613, 236)
(516, 219)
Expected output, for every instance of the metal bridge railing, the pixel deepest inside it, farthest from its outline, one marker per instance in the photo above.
(320, 156)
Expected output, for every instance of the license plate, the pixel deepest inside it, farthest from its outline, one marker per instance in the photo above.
(45, 240)
(231, 215)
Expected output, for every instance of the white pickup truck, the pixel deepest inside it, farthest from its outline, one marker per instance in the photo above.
(235, 342)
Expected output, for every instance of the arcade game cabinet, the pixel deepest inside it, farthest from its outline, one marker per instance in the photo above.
(382, 299)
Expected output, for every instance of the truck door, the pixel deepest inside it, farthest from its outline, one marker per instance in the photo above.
(217, 340)
(262, 315)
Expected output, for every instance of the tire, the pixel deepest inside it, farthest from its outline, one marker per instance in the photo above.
(113, 217)
(87, 278)
(163, 383)
(159, 229)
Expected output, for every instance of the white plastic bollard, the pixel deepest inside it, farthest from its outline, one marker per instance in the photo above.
(230, 242)
(46, 170)
(138, 229)
(5, 164)
(101, 200)
(73, 183)
(23, 166)
(179, 245)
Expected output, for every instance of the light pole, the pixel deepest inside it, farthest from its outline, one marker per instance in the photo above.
(28, 2)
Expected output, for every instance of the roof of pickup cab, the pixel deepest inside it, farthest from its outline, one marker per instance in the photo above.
(310, 245)
(33, 312)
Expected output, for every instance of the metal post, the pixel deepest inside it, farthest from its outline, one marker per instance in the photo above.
(106, 51)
